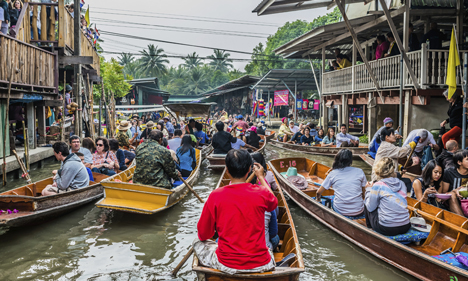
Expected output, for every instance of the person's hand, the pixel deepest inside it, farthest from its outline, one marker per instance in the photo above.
(398, 136)
(416, 139)
(178, 173)
(258, 170)
(431, 145)
(428, 191)
(457, 193)
(403, 171)
(54, 184)
(443, 123)
(318, 197)
(54, 172)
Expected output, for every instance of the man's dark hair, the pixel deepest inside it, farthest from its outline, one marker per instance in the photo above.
(340, 56)
(390, 35)
(178, 132)
(198, 126)
(385, 133)
(191, 120)
(156, 135)
(113, 144)
(238, 162)
(74, 137)
(381, 38)
(312, 126)
(290, 115)
(343, 125)
(105, 142)
(61, 147)
(164, 142)
(250, 124)
(459, 156)
(219, 126)
(79, 154)
(343, 159)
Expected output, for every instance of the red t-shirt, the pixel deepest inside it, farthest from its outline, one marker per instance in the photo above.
(237, 213)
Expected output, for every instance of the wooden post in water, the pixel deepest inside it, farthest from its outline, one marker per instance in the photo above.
(7, 123)
(64, 106)
(91, 105)
(100, 109)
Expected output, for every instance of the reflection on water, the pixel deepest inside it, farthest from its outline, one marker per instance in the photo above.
(98, 244)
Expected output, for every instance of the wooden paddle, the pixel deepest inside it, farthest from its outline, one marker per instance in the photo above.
(191, 189)
(412, 150)
(190, 252)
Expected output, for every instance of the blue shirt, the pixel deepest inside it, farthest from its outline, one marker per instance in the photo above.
(169, 127)
(186, 159)
(237, 144)
(201, 136)
(121, 157)
(136, 130)
(90, 174)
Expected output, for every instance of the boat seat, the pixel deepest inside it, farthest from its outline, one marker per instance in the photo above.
(411, 236)
(332, 197)
(450, 259)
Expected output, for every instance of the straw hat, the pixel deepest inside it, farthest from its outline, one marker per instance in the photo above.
(420, 224)
(124, 125)
(150, 124)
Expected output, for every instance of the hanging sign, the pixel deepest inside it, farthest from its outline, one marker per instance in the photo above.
(299, 104)
(317, 104)
(281, 97)
(305, 104)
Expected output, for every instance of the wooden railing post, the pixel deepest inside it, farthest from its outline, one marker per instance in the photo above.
(34, 23)
(43, 23)
(61, 23)
(424, 71)
(52, 24)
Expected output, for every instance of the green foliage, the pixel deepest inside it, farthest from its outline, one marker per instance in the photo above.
(113, 79)
(364, 139)
(264, 58)
(192, 60)
(153, 61)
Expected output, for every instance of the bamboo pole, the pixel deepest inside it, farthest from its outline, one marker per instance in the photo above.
(113, 113)
(7, 123)
(23, 168)
(64, 106)
(26, 145)
(91, 105)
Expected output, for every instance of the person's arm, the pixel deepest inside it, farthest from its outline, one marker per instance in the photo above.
(88, 158)
(121, 160)
(433, 142)
(169, 166)
(372, 199)
(65, 178)
(273, 225)
(326, 184)
(342, 137)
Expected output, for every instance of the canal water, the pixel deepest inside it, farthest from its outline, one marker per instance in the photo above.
(97, 244)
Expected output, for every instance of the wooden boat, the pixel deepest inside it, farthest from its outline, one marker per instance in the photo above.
(34, 208)
(318, 149)
(270, 135)
(206, 150)
(289, 243)
(217, 162)
(416, 259)
(120, 193)
(412, 172)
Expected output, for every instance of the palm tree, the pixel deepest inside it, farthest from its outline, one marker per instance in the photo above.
(197, 82)
(125, 58)
(235, 74)
(220, 60)
(153, 62)
(192, 60)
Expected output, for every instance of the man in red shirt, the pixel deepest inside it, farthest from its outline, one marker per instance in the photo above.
(237, 213)
(241, 123)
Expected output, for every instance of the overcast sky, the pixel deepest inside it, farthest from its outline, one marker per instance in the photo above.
(138, 19)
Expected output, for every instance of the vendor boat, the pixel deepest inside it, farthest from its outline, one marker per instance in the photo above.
(270, 135)
(318, 149)
(26, 206)
(121, 194)
(419, 254)
(289, 244)
(217, 161)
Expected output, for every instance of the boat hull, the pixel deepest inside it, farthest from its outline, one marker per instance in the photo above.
(402, 257)
(412, 173)
(318, 150)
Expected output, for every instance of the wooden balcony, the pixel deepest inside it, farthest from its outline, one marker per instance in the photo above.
(50, 25)
(429, 67)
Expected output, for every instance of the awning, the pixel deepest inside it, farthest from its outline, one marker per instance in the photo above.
(189, 109)
(295, 79)
(179, 99)
(226, 91)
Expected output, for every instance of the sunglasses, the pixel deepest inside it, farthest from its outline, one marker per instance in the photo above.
(100, 144)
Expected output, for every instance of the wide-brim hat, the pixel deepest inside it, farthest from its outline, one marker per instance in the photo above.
(291, 173)
(420, 224)
(299, 181)
(124, 125)
(150, 124)
(165, 117)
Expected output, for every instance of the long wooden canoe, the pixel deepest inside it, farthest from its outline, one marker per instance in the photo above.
(412, 172)
(206, 150)
(318, 149)
(34, 208)
(448, 229)
(289, 243)
(217, 161)
(270, 135)
(120, 193)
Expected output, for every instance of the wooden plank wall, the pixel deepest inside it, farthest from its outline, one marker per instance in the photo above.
(38, 65)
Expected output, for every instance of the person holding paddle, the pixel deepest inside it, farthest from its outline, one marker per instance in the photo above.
(236, 212)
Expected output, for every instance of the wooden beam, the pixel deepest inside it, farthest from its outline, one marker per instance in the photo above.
(277, 10)
(358, 46)
(360, 28)
(75, 60)
(399, 43)
(52, 103)
(266, 6)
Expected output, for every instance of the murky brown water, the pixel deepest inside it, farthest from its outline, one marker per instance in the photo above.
(96, 244)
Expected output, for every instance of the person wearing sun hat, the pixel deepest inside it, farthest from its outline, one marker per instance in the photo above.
(375, 142)
(241, 123)
(284, 132)
(122, 136)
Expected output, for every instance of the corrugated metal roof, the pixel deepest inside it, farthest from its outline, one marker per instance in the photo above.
(246, 80)
(273, 80)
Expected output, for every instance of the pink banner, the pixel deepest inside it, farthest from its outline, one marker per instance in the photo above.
(281, 97)
(317, 104)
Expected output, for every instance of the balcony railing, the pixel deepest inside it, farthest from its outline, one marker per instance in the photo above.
(429, 67)
(49, 24)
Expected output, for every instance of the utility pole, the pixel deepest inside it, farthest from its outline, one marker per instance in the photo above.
(77, 52)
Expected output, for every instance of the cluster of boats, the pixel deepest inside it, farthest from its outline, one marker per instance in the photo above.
(417, 256)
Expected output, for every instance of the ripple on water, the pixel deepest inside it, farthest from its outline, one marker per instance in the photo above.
(97, 244)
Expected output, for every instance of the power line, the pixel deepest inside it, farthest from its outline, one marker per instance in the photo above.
(189, 18)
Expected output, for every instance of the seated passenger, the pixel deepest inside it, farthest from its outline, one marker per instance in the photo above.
(388, 123)
(426, 138)
(82, 157)
(307, 139)
(454, 179)
(75, 146)
(261, 128)
(119, 153)
(253, 139)
(425, 187)
(104, 161)
(222, 140)
(342, 62)
(343, 139)
(269, 176)
(187, 156)
(348, 183)
(385, 202)
(240, 143)
(445, 159)
(284, 132)
(296, 138)
(330, 138)
(319, 137)
(200, 135)
(71, 176)
(241, 246)
(174, 143)
(154, 163)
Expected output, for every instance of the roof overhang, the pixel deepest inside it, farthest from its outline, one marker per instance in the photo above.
(189, 109)
(294, 79)
(242, 82)
(268, 7)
